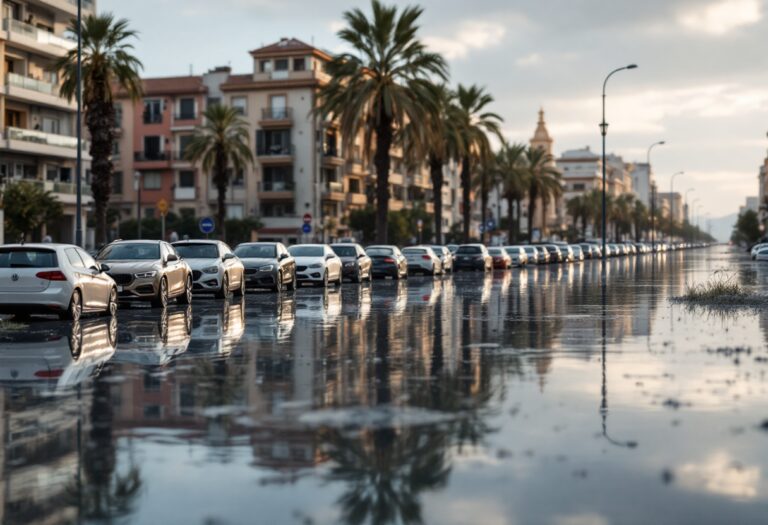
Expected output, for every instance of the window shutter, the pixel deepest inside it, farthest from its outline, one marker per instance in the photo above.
(260, 142)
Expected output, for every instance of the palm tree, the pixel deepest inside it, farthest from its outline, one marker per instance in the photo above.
(474, 124)
(107, 63)
(382, 87)
(485, 178)
(513, 176)
(639, 219)
(436, 139)
(576, 208)
(219, 144)
(543, 179)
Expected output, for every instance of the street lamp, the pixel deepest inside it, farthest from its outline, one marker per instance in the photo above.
(137, 185)
(672, 204)
(653, 196)
(79, 126)
(604, 132)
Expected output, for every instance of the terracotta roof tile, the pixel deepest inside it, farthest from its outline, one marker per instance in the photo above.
(172, 85)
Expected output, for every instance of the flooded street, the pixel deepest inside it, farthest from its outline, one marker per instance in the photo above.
(527, 396)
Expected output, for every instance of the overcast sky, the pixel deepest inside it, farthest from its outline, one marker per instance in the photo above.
(701, 85)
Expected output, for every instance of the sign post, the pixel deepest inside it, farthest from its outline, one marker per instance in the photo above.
(420, 228)
(207, 226)
(306, 228)
(162, 207)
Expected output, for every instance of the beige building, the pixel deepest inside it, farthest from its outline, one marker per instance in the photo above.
(671, 203)
(38, 141)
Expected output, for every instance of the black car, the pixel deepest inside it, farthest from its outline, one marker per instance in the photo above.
(267, 265)
(472, 257)
(387, 261)
(355, 263)
(555, 254)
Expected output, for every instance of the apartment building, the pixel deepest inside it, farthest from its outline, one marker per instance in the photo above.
(582, 172)
(641, 181)
(38, 142)
(671, 204)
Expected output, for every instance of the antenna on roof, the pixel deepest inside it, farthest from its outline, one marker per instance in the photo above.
(190, 70)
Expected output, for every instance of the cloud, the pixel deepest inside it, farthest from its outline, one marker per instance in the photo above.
(470, 35)
(721, 475)
(529, 60)
(720, 18)
(336, 26)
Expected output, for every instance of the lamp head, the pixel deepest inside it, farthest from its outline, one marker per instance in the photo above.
(632, 66)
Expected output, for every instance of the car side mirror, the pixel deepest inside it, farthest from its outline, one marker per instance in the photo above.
(95, 268)
(171, 258)
(328, 257)
(283, 256)
(228, 256)
(104, 267)
(360, 256)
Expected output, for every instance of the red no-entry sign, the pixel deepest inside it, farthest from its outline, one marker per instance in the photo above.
(307, 218)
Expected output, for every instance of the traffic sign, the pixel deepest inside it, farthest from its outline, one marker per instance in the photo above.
(162, 206)
(490, 225)
(307, 218)
(306, 228)
(206, 225)
(419, 224)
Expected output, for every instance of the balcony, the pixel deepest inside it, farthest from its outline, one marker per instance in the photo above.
(65, 192)
(152, 118)
(184, 116)
(184, 194)
(276, 190)
(179, 158)
(35, 91)
(152, 159)
(275, 154)
(36, 39)
(357, 199)
(70, 6)
(40, 143)
(334, 191)
(332, 157)
(277, 117)
(356, 166)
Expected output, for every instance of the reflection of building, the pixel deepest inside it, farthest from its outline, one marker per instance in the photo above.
(38, 142)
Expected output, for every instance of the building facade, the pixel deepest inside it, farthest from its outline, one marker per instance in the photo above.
(641, 181)
(38, 142)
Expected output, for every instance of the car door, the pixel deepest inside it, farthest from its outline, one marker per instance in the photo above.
(101, 282)
(83, 279)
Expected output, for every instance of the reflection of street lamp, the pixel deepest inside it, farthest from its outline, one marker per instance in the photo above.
(653, 196)
(672, 204)
(137, 186)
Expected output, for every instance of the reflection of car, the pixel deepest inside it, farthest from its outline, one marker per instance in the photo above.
(316, 263)
(387, 261)
(53, 278)
(356, 264)
(390, 296)
(267, 264)
(147, 271)
(422, 259)
(356, 301)
(56, 355)
(518, 255)
(501, 259)
(215, 269)
(446, 257)
(217, 329)
(272, 318)
(424, 292)
(153, 340)
(536, 254)
(578, 254)
(321, 305)
(473, 257)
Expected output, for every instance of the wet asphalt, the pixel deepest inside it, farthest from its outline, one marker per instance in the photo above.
(527, 396)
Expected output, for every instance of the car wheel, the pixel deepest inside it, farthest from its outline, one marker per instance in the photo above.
(292, 284)
(111, 304)
(224, 292)
(161, 301)
(325, 279)
(75, 309)
(186, 297)
(241, 289)
(76, 340)
(279, 282)
(358, 278)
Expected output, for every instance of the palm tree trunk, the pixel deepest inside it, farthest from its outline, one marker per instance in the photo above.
(436, 173)
(220, 179)
(543, 218)
(381, 160)
(531, 213)
(100, 120)
(465, 204)
(510, 221)
(518, 202)
(484, 205)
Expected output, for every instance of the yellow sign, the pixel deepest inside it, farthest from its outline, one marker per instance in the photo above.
(162, 206)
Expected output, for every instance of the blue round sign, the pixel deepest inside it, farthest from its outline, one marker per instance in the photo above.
(306, 228)
(490, 225)
(207, 225)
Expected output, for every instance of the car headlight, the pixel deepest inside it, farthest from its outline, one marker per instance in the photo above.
(266, 268)
(144, 275)
(316, 265)
(211, 269)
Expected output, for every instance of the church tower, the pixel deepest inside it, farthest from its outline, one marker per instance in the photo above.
(541, 138)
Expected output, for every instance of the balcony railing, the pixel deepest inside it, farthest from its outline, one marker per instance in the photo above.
(331, 151)
(275, 150)
(37, 34)
(277, 185)
(334, 187)
(276, 113)
(185, 116)
(14, 79)
(69, 188)
(153, 118)
(148, 156)
(180, 156)
(40, 137)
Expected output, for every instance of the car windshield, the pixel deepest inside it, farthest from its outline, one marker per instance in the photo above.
(256, 251)
(469, 249)
(27, 258)
(414, 251)
(345, 251)
(306, 251)
(438, 250)
(495, 251)
(197, 251)
(379, 251)
(144, 251)
(530, 249)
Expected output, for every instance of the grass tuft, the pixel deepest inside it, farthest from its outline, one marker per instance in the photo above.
(723, 286)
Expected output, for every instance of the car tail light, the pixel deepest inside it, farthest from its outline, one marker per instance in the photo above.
(426, 257)
(51, 276)
(49, 374)
(389, 260)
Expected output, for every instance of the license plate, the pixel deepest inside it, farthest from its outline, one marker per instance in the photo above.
(119, 289)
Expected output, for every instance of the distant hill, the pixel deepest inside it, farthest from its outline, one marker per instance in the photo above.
(721, 226)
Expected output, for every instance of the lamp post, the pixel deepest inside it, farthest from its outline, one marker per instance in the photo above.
(604, 132)
(672, 204)
(137, 176)
(653, 196)
(79, 126)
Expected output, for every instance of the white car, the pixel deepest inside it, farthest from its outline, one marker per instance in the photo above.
(316, 264)
(422, 259)
(215, 268)
(762, 254)
(53, 278)
(756, 248)
(518, 255)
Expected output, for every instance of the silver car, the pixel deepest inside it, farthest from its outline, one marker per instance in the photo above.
(317, 264)
(53, 278)
(446, 257)
(423, 259)
(215, 269)
(518, 255)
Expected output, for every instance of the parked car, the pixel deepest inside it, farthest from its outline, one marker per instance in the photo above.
(567, 251)
(452, 248)
(555, 255)
(756, 248)
(518, 255)
(388, 261)
(215, 269)
(268, 265)
(535, 254)
(578, 254)
(53, 278)
(500, 257)
(473, 257)
(446, 257)
(356, 265)
(422, 259)
(316, 264)
(147, 271)
(762, 254)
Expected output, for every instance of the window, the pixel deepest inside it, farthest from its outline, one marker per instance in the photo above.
(213, 101)
(186, 179)
(74, 258)
(273, 142)
(153, 149)
(184, 141)
(152, 181)
(235, 211)
(579, 187)
(277, 209)
(117, 182)
(51, 125)
(153, 111)
(238, 178)
(87, 259)
(65, 174)
(278, 178)
(240, 104)
(281, 64)
(116, 149)
(149, 213)
(354, 186)
(186, 108)
(329, 175)
(265, 66)
(52, 173)
(118, 114)
(299, 64)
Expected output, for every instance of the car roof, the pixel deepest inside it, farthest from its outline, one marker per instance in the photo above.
(39, 245)
(262, 243)
(136, 241)
(312, 245)
(196, 241)
(344, 244)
